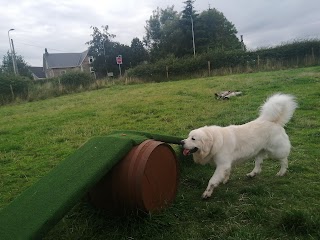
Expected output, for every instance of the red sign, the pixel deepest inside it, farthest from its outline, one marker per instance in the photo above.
(119, 59)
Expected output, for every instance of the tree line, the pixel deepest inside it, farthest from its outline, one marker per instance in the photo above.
(167, 33)
(179, 34)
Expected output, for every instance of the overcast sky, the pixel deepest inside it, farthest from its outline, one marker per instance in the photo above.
(64, 25)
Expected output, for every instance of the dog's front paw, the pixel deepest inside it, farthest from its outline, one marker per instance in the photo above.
(251, 175)
(280, 174)
(206, 194)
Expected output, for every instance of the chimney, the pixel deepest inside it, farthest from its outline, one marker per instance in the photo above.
(46, 51)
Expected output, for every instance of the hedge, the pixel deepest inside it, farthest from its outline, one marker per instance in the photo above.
(289, 52)
(13, 85)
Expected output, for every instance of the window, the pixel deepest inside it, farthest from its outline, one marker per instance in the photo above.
(91, 59)
(91, 69)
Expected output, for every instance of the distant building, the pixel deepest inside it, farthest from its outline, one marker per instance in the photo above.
(57, 64)
(37, 73)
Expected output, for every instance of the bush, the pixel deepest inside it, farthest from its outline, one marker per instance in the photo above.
(12, 86)
(76, 79)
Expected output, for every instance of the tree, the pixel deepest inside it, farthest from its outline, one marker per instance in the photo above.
(188, 10)
(138, 52)
(188, 18)
(153, 31)
(162, 33)
(100, 47)
(214, 31)
(126, 53)
(172, 37)
(105, 50)
(170, 33)
(23, 67)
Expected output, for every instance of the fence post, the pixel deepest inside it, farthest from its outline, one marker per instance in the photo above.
(209, 69)
(258, 61)
(312, 54)
(12, 93)
(306, 60)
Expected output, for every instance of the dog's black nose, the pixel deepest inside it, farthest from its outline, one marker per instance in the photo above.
(182, 142)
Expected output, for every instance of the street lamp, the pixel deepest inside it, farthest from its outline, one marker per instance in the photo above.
(11, 47)
(9, 38)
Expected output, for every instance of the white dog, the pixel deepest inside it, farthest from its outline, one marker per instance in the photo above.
(261, 138)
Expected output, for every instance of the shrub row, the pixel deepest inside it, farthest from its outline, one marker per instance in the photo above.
(12, 86)
(75, 79)
(226, 59)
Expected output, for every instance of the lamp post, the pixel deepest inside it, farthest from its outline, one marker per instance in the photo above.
(9, 39)
(11, 47)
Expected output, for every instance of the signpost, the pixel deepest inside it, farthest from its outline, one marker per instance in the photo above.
(119, 62)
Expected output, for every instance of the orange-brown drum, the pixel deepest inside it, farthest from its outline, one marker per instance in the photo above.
(145, 179)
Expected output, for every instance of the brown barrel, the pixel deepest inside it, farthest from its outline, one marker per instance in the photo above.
(145, 179)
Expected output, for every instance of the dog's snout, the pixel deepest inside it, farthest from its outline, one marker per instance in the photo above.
(182, 142)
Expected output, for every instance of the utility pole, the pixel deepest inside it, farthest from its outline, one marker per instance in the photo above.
(242, 43)
(11, 51)
(14, 59)
(193, 43)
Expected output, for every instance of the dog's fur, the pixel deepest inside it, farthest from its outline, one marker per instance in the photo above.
(261, 138)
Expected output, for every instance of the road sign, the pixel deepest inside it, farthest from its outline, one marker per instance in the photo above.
(119, 59)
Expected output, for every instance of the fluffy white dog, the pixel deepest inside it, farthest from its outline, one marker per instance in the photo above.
(260, 138)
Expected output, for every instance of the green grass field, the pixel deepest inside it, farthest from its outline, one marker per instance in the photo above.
(36, 136)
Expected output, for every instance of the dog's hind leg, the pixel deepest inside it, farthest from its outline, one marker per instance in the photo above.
(257, 165)
(221, 174)
(284, 166)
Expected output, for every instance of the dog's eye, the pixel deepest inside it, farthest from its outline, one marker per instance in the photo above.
(192, 138)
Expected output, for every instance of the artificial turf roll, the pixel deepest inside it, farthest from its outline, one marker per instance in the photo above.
(154, 136)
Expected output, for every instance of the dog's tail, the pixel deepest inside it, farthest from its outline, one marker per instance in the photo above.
(278, 108)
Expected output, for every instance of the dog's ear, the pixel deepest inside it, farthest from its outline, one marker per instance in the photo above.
(211, 143)
(217, 141)
(206, 145)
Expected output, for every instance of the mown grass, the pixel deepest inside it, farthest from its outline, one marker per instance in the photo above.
(35, 137)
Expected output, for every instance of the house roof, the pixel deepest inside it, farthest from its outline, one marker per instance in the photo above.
(64, 60)
(38, 72)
